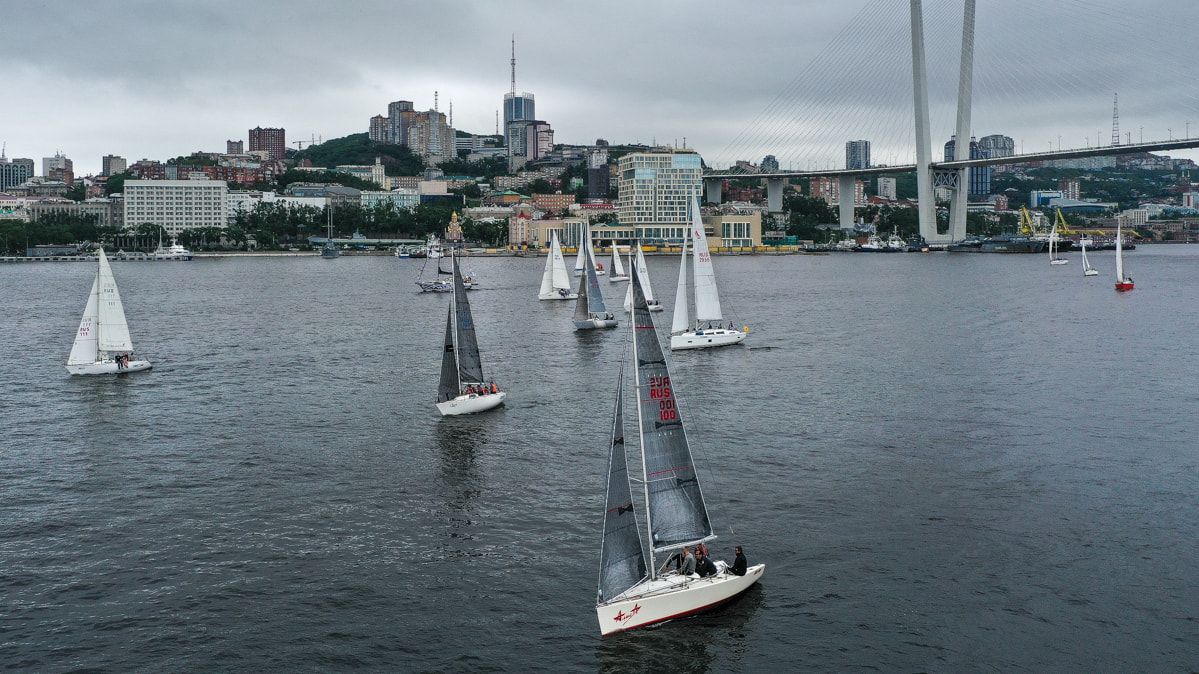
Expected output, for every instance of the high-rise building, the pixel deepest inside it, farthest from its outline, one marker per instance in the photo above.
(997, 145)
(235, 147)
(378, 132)
(432, 138)
(13, 172)
(770, 164)
(400, 118)
(979, 177)
(599, 178)
(656, 188)
(517, 108)
(886, 187)
(273, 141)
(1071, 188)
(58, 161)
(176, 205)
(857, 154)
(111, 164)
(829, 189)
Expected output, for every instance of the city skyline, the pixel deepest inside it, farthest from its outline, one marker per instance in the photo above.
(702, 79)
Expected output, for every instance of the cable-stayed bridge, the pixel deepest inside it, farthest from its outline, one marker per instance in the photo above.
(930, 174)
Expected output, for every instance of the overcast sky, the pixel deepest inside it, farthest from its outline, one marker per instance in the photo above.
(794, 78)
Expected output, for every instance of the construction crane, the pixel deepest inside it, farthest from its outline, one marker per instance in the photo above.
(314, 140)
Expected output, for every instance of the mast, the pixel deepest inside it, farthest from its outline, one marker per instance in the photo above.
(639, 303)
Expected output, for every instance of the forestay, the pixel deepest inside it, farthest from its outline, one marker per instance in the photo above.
(622, 558)
(682, 317)
(449, 386)
(676, 511)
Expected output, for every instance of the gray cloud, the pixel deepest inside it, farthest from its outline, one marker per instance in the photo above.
(153, 79)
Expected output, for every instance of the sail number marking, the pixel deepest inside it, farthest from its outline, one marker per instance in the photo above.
(659, 390)
(704, 257)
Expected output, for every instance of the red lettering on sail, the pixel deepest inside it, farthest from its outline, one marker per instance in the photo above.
(703, 257)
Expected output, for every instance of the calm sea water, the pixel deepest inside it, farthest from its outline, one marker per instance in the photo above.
(947, 462)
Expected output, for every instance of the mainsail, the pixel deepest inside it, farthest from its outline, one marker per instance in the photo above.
(676, 511)
(617, 266)
(470, 368)
(622, 558)
(561, 280)
(707, 298)
(643, 271)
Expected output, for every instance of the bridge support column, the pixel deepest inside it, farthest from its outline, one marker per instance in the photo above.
(961, 146)
(774, 194)
(924, 178)
(845, 195)
(712, 190)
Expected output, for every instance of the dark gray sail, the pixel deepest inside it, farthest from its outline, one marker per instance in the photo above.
(470, 369)
(595, 299)
(622, 558)
(581, 311)
(677, 513)
(449, 386)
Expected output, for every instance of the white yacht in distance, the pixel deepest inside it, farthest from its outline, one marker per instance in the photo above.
(699, 333)
(175, 251)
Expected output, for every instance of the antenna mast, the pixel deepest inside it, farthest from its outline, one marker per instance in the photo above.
(513, 64)
(1116, 119)
(435, 102)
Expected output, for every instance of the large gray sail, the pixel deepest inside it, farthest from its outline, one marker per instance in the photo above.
(581, 310)
(470, 369)
(449, 387)
(595, 299)
(622, 558)
(677, 513)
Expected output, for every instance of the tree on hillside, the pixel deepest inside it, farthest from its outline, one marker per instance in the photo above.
(358, 150)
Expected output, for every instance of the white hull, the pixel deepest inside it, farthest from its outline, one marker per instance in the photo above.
(1091, 272)
(558, 296)
(703, 339)
(1060, 260)
(471, 403)
(670, 597)
(108, 367)
(617, 279)
(595, 324)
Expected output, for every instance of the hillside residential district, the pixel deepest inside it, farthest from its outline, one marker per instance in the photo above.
(399, 182)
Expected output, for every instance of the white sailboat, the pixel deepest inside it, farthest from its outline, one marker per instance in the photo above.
(618, 273)
(1087, 269)
(633, 591)
(462, 389)
(1123, 282)
(684, 332)
(643, 273)
(1054, 258)
(102, 344)
(555, 284)
(590, 312)
(587, 249)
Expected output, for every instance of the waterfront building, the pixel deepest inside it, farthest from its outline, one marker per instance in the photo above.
(656, 188)
(13, 172)
(101, 209)
(112, 165)
(176, 205)
(553, 203)
(400, 198)
(273, 141)
(736, 229)
(857, 154)
(1038, 198)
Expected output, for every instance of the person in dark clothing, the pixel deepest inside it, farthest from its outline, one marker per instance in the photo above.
(704, 566)
(739, 564)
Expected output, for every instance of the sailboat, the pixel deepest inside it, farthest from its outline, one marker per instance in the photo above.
(586, 249)
(1087, 269)
(1054, 258)
(685, 334)
(633, 591)
(330, 250)
(462, 389)
(103, 335)
(643, 273)
(555, 284)
(1122, 282)
(618, 274)
(590, 312)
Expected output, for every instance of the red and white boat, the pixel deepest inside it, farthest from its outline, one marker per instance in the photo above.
(633, 590)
